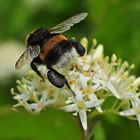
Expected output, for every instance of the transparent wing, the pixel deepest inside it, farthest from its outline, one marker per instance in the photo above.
(27, 56)
(65, 25)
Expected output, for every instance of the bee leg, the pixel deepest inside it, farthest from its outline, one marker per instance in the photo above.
(79, 48)
(34, 68)
(56, 79)
(69, 87)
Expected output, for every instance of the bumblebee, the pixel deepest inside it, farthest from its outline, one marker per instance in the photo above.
(51, 48)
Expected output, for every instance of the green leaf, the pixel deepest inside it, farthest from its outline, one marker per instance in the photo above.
(99, 132)
(49, 125)
(119, 128)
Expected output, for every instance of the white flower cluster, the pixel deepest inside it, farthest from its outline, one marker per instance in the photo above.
(94, 79)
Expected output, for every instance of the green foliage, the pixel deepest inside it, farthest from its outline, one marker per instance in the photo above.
(116, 25)
(5, 95)
(118, 128)
(99, 132)
(20, 17)
(110, 127)
(51, 124)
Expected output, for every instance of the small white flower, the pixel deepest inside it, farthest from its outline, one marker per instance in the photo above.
(80, 105)
(134, 111)
(39, 105)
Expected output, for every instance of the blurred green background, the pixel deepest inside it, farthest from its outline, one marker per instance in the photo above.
(114, 23)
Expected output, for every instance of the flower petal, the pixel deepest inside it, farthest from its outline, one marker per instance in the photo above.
(69, 108)
(90, 104)
(93, 97)
(44, 97)
(23, 97)
(83, 80)
(113, 90)
(129, 112)
(83, 118)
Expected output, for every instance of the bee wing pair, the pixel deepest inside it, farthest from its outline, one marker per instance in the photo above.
(33, 52)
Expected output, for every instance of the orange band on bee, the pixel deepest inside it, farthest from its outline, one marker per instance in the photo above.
(50, 44)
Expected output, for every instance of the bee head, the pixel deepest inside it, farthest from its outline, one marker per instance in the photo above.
(37, 37)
